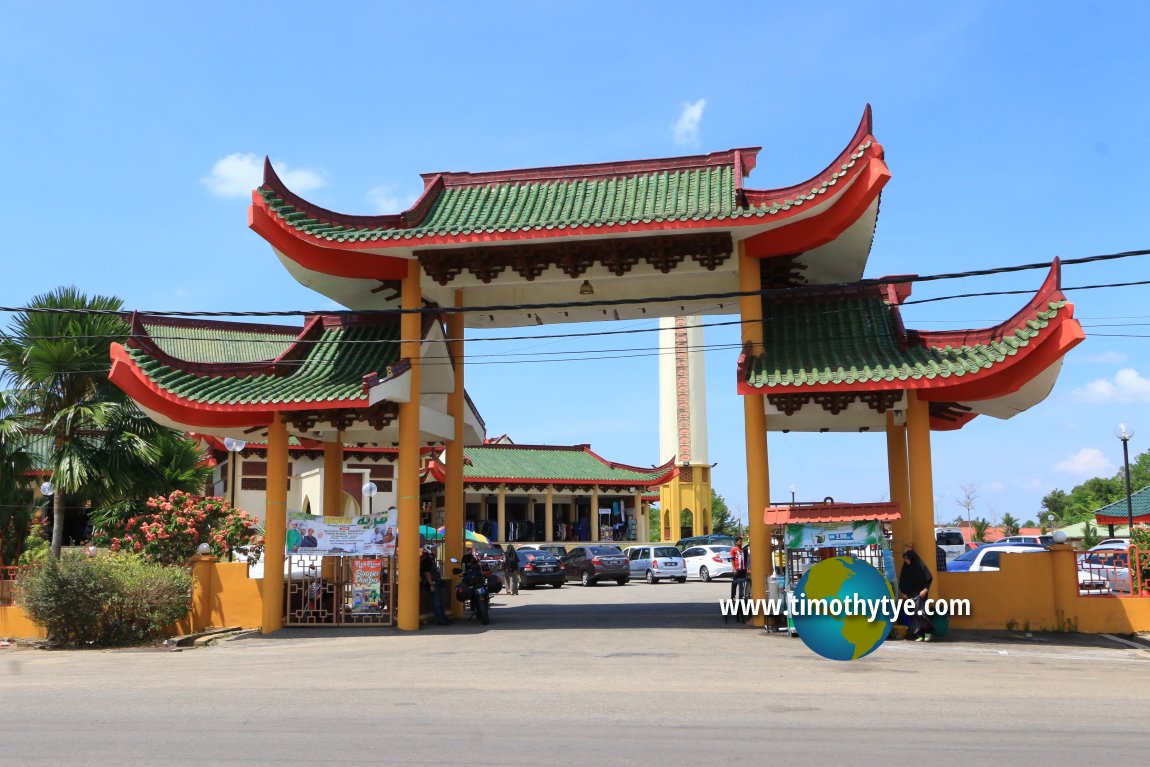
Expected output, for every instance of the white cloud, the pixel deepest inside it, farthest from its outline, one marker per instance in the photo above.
(1104, 358)
(238, 174)
(1087, 461)
(994, 487)
(687, 127)
(1127, 386)
(384, 199)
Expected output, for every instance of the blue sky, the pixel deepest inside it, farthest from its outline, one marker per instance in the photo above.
(1015, 132)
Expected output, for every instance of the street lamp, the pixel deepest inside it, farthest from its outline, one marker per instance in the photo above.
(369, 489)
(47, 489)
(793, 489)
(235, 447)
(1125, 432)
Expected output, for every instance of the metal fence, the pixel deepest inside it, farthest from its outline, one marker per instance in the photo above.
(8, 576)
(1108, 572)
(339, 591)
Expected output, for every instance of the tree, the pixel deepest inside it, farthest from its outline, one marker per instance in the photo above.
(967, 503)
(723, 520)
(1090, 536)
(978, 527)
(1009, 524)
(16, 463)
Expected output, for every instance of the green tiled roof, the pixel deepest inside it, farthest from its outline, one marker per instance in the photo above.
(1139, 499)
(515, 462)
(220, 343)
(856, 341)
(695, 194)
(327, 371)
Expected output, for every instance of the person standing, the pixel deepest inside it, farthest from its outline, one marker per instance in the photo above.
(739, 565)
(431, 579)
(511, 569)
(914, 583)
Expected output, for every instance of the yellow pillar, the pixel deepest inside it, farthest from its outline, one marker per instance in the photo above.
(549, 515)
(203, 567)
(1064, 571)
(755, 433)
(275, 526)
(333, 477)
(453, 491)
(921, 482)
(501, 514)
(595, 513)
(899, 484)
(408, 481)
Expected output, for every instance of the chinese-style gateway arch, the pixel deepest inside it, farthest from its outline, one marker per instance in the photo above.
(814, 358)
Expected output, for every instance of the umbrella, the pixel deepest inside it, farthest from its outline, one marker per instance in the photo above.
(427, 532)
(469, 535)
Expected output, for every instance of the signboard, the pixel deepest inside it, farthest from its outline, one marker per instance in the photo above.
(365, 585)
(819, 535)
(341, 536)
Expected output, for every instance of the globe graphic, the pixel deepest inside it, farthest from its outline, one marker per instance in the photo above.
(843, 637)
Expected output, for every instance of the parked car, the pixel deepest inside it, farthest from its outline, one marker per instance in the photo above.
(1109, 561)
(951, 541)
(988, 557)
(705, 540)
(1034, 540)
(591, 564)
(655, 563)
(557, 550)
(540, 568)
(707, 562)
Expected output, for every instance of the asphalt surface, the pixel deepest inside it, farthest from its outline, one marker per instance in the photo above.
(600, 676)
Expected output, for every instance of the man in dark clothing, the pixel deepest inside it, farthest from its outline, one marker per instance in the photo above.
(431, 580)
(939, 559)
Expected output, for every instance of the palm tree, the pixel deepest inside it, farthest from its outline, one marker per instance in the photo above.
(16, 464)
(978, 527)
(1009, 524)
(58, 363)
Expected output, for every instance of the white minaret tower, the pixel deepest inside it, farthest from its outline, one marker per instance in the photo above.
(683, 427)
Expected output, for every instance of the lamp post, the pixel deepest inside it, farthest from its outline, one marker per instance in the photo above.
(369, 489)
(1125, 432)
(235, 447)
(793, 489)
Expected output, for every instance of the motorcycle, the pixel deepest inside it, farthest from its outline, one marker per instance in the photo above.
(475, 590)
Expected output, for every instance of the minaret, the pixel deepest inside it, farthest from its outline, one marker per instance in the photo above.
(683, 427)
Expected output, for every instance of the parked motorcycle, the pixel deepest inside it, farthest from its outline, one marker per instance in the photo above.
(475, 590)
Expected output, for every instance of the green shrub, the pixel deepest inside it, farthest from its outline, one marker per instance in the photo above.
(106, 600)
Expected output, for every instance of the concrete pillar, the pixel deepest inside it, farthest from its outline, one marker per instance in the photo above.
(899, 485)
(411, 333)
(1064, 571)
(501, 514)
(333, 477)
(203, 568)
(755, 434)
(275, 526)
(595, 513)
(455, 512)
(921, 481)
(638, 511)
(549, 515)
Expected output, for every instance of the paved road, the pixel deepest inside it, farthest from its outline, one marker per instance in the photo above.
(607, 675)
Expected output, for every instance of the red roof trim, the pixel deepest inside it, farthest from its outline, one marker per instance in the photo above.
(830, 512)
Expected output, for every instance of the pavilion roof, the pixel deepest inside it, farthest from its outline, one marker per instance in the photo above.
(1115, 513)
(574, 464)
(852, 339)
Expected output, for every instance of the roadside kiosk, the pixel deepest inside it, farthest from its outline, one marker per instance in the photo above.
(812, 532)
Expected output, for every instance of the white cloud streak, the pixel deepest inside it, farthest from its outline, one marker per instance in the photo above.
(384, 199)
(1126, 387)
(687, 127)
(238, 174)
(1087, 461)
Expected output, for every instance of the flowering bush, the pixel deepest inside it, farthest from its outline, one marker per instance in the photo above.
(172, 527)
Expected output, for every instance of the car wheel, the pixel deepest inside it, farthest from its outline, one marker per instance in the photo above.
(622, 581)
(557, 585)
(651, 577)
(704, 574)
(586, 579)
(681, 580)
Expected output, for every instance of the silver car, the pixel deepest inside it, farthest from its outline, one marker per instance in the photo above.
(707, 562)
(656, 563)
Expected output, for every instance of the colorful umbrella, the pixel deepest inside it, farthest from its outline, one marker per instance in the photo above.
(429, 533)
(468, 535)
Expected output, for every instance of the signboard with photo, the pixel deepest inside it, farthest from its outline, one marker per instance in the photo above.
(365, 585)
(341, 536)
(818, 535)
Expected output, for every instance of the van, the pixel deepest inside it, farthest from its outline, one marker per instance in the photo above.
(950, 540)
(705, 540)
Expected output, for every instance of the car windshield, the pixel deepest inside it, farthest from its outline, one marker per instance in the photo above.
(968, 556)
(667, 551)
(949, 539)
(603, 550)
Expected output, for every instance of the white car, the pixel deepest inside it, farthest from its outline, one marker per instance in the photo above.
(656, 563)
(988, 559)
(1111, 562)
(707, 562)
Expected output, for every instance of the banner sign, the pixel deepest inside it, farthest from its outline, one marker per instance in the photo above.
(819, 535)
(341, 536)
(365, 585)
